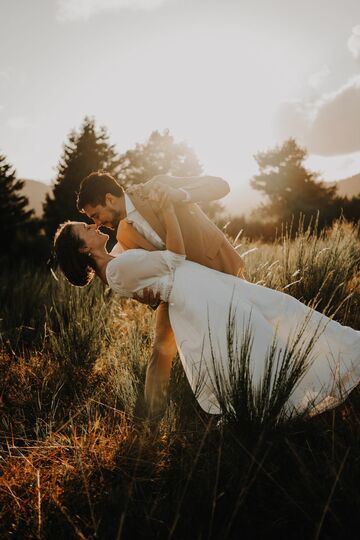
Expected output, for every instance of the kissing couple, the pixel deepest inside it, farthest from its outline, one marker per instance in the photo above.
(169, 251)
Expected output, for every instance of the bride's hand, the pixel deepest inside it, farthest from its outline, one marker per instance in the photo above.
(161, 194)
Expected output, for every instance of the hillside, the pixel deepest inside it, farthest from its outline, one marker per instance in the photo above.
(36, 192)
(349, 187)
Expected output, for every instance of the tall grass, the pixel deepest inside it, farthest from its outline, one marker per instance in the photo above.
(79, 458)
(322, 269)
(77, 322)
(258, 406)
(24, 293)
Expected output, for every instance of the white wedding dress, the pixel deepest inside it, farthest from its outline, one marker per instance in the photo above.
(199, 301)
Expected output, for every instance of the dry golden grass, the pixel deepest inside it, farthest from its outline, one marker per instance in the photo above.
(79, 458)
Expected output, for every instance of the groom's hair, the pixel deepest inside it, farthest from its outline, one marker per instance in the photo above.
(94, 187)
(78, 268)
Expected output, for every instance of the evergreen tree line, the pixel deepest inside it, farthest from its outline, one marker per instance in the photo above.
(291, 191)
(294, 196)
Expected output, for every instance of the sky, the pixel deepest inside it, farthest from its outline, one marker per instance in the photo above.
(229, 77)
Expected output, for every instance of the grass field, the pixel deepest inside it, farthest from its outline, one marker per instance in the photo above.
(80, 459)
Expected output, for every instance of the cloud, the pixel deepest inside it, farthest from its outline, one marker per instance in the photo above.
(72, 10)
(353, 42)
(316, 79)
(335, 167)
(327, 126)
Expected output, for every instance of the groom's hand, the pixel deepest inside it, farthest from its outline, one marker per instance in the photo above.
(148, 297)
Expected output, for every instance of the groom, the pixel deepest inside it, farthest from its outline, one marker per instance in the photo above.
(138, 224)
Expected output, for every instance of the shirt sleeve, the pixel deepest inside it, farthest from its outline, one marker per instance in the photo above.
(136, 269)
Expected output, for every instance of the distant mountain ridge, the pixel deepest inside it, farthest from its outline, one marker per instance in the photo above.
(242, 202)
(348, 187)
(36, 192)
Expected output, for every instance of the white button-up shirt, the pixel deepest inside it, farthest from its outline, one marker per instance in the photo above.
(141, 225)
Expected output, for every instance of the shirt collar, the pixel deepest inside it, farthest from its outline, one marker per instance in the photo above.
(129, 205)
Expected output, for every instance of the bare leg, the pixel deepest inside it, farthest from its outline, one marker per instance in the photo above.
(159, 366)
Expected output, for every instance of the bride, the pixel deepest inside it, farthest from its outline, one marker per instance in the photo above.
(213, 314)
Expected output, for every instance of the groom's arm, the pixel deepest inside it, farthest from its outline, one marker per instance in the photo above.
(190, 188)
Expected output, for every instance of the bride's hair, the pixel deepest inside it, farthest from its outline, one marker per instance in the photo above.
(78, 268)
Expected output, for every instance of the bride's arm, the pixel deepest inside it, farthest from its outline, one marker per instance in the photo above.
(174, 237)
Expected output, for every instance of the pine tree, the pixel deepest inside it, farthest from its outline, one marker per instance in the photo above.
(291, 189)
(84, 152)
(159, 155)
(14, 217)
(162, 155)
